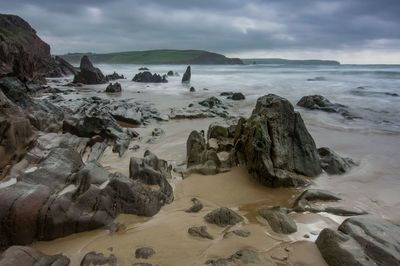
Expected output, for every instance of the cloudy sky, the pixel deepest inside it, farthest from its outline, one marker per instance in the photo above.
(352, 31)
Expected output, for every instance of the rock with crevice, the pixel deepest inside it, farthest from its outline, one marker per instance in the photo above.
(88, 74)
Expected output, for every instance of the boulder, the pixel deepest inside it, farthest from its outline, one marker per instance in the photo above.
(143, 69)
(25, 256)
(242, 257)
(187, 75)
(89, 74)
(211, 102)
(192, 89)
(226, 93)
(114, 76)
(279, 220)
(318, 102)
(94, 258)
(144, 252)
(113, 88)
(362, 240)
(170, 73)
(275, 145)
(147, 77)
(200, 231)
(64, 69)
(332, 163)
(237, 96)
(223, 217)
(210, 107)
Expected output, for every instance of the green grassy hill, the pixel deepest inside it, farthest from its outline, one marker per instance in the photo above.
(155, 57)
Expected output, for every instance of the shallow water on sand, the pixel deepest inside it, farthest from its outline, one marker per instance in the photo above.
(373, 186)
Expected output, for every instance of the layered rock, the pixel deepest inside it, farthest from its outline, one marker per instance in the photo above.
(275, 145)
(187, 75)
(147, 77)
(209, 107)
(64, 196)
(363, 240)
(20, 255)
(88, 74)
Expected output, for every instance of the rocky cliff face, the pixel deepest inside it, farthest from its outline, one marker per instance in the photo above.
(23, 53)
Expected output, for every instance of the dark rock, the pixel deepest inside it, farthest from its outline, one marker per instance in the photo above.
(89, 74)
(157, 132)
(62, 69)
(223, 217)
(195, 148)
(196, 207)
(25, 256)
(279, 220)
(143, 69)
(332, 163)
(144, 253)
(241, 257)
(200, 231)
(187, 75)
(363, 240)
(317, 79)
(113, 87)
(114, 76)
(93, 258)
(318, 102)
(275, 145)
(192, 89)
(147, 77)
(211, 102)
(226, 93)
(237, 96)
(170, 73)
(153, 171)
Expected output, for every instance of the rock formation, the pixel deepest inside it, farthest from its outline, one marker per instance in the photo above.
(187, 75)
(147, 77)
(332, 163)
(223, 217)
(113, 88)
(114, 76)
(25, 256)
(88, 74)
(279, 220)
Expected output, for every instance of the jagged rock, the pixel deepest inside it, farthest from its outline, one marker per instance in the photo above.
(94, 258)
(279, 220)
(318, 102)
(275, 145)
(89, 74)
(144, 253)
(187, 75)
(200, 231)
(147, 77)
(114, 76)
(223, 217)
(62, 196)
(192, 89)
(153, 171)
(196, 207)
(113, 87)
(332, 163)
(241, 257)
(64, 69)
(237, 96)
(363, 240)
(25, 256)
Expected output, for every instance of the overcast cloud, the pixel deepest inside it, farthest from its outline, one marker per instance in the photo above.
(352, 31)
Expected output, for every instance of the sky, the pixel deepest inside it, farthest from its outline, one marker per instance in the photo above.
(351, 31)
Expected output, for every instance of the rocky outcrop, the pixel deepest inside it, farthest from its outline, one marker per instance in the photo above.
(223, 217)
(275, 145)
(196, 207)
(332, 163)
(279, 220)
(88, 74)
(62, 196)
(363, 240)
(26, 256)
(147, 77)
(187, 75)
(114, 76)
(318, 102)
(94, 258)
(113, 88)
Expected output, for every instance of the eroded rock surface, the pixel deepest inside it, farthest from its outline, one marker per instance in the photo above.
(26, 256)
(333, 163)
(279, 220)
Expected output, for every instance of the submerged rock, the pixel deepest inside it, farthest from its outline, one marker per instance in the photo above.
(25, 256)
(223, 217)
(89, 74)
(332, 163)
(200, 231)
(275, 145)
(187, 75)
(113, 87)
(279, 220)
(363, 240)
(147, 77)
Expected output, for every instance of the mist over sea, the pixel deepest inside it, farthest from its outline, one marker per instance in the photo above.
(370, 91)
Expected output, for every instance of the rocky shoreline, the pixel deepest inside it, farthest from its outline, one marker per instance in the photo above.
(54, 182)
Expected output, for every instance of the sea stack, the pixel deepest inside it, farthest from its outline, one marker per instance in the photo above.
(89, 74)
(187, 75)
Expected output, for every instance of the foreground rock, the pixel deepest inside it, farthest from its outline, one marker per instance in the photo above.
(113, 88)
(241, 257)
(279, 220)
(63, 196)
(223, 217)
(89, 74)
(187, 75)
(363, 240)
(147, 77)
(332, 163)
(318, 102)
(275, 145)
(26, 256)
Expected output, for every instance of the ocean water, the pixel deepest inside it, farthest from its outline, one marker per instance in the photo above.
(370, 91)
